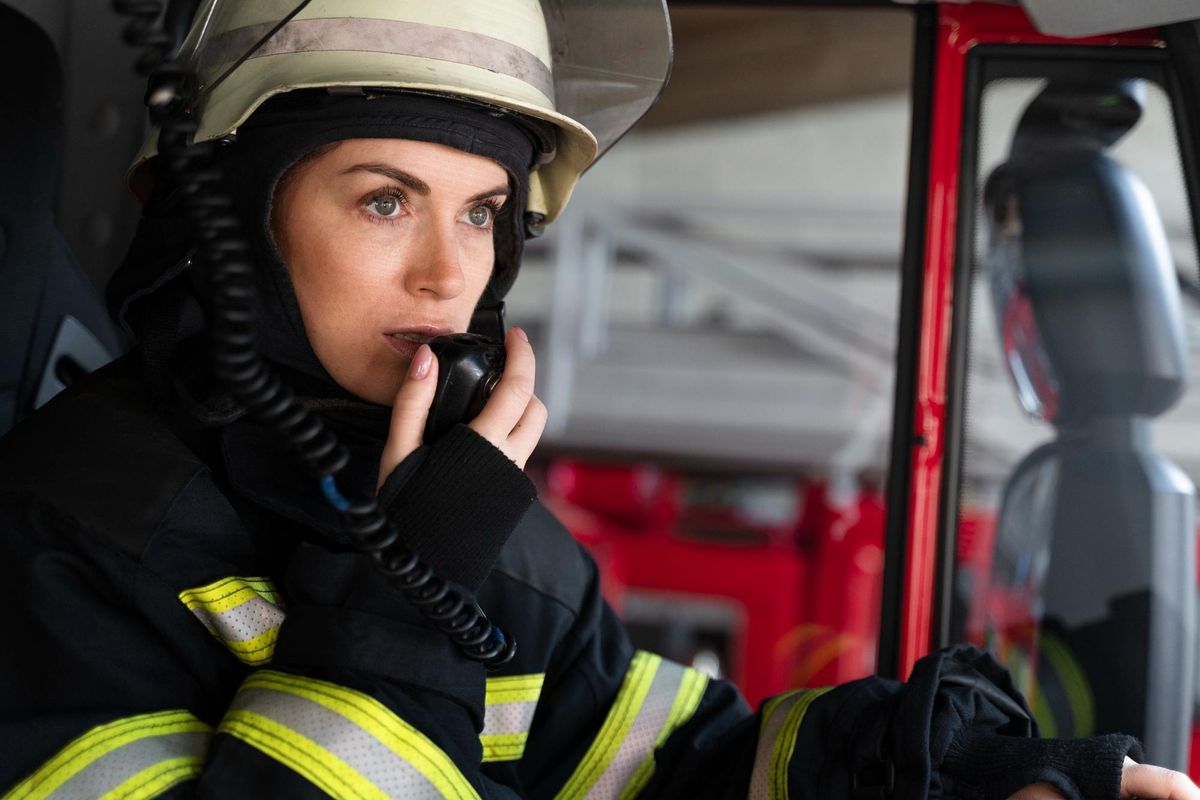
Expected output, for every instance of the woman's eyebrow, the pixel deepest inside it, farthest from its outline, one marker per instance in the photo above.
(499, 190)
(400, 176)
(416, 184)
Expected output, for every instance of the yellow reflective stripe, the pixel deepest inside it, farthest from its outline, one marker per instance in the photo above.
(99, 742)
(769, 725)
(155, 780)
(503, 746)
(785, 743)
(514, 688)
(654, 699)
(258, 650)
(229, 593)
(244, 614)
(1016, 660)
(1047, 726)
(510, 704)
(376, 719)
(780, 723)
(687, 700)
(616, 725)
(300, 754)
(1075, 682)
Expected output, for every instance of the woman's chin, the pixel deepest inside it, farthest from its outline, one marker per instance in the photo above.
(380, 392)
(379, 383)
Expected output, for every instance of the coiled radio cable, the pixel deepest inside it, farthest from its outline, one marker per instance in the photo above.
(223, 257)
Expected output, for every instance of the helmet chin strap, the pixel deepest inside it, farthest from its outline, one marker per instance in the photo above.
(488, 319)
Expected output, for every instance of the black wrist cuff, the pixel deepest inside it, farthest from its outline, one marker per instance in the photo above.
(992, 767)
(455, 503)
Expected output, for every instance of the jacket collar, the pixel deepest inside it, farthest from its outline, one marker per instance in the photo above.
(262, 468)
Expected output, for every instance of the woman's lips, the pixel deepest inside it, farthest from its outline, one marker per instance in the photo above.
(403, 346)
(406, 342)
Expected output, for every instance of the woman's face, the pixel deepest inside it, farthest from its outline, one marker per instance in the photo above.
(388, 243)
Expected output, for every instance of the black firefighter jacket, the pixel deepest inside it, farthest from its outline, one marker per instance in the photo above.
(175, 627)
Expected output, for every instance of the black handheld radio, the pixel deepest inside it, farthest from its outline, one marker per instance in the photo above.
(469, 367)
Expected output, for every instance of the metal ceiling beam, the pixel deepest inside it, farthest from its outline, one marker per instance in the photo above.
(733, 61)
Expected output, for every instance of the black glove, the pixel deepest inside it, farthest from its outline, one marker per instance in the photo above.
(455, 504)
(982, 767)
(982, 741)
(957, 729)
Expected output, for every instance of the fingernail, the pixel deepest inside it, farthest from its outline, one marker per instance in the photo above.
(521, 332)
(419, 367)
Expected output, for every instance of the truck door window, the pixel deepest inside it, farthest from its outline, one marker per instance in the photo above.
(1075, 555)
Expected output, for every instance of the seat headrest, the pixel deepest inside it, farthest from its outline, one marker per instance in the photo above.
(1082, 278)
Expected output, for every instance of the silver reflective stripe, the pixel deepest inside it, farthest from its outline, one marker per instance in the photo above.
(506, 731)
(242, 613)
(140, 757)
(511, 702)
(781, 721)
(655, 698)
(640, 740)
(353, 745)
(248, 621)
(395, 37)
(346, 743)
(508, 718)
(132, 757)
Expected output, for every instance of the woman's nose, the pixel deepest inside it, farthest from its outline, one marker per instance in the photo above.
(435, 268)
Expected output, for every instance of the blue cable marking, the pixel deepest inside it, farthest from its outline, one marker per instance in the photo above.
(335, 498)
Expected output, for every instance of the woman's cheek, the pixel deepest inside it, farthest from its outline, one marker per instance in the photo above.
(330, 303)
(350, 270)
(480, 253)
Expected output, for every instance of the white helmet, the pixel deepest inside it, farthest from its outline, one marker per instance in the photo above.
(590, 68)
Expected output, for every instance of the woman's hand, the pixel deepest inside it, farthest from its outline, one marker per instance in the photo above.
(1148, 782)
(512, 420)
(1141, 781)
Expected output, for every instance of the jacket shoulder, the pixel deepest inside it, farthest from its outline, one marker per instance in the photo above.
(543, 555)
(101, 456)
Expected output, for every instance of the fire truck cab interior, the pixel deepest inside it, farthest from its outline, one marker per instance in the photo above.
(968, 412)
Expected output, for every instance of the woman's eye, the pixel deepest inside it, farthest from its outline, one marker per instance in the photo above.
(479, 216)
(385, 205)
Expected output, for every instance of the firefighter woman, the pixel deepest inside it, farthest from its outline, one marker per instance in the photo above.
(187, 613)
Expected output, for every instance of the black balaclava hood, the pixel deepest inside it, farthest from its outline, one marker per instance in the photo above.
(293, 125)
(154, 298)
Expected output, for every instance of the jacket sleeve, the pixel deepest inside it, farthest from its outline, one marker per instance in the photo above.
(612, 721)
(362, 698)
(641, 726)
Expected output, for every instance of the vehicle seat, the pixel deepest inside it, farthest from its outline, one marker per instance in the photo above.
(53, 325)
(1095, 529)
